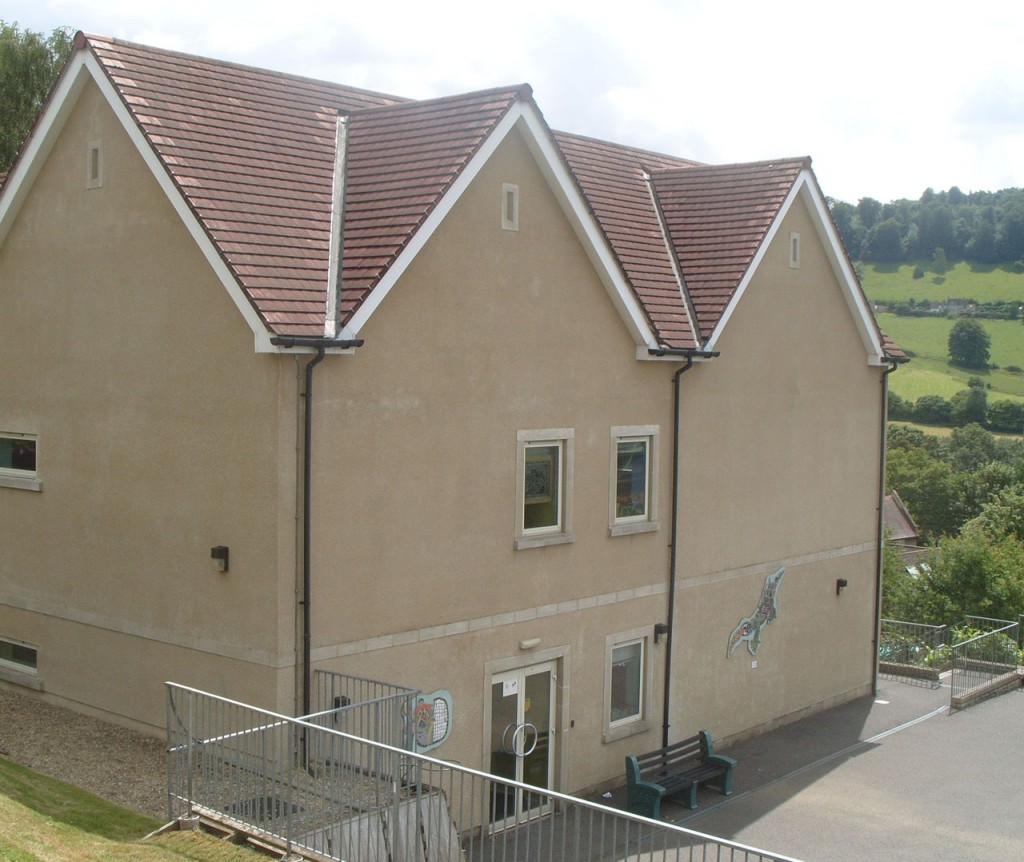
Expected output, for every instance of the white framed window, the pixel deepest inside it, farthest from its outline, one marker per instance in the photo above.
(627, 683)
(632, 504)
(18, 655)
(18, 461)
(544, 487)
(509, 206)
(794, 251)
(94, 165)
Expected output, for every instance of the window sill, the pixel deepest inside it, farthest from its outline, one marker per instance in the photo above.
(612, 734)
(26, 679)
(633, 528)
(524, 542)
(25, 483)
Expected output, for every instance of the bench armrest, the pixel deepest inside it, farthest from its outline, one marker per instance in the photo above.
(645, 798)
(721, 760)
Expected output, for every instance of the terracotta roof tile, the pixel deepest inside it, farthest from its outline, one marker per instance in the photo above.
(717, 217)
(252, 152)
(613, 179)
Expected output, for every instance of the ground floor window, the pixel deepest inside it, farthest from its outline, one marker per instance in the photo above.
(18, 655)
(627, 683)
(18, 467)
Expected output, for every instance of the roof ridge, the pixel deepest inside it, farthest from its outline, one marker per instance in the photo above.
(640, 151)
(789, 161)
(82, 39)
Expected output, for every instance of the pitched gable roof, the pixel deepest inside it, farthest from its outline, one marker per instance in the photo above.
(248, 158)
(717, 217)
(253, 153)
(615, 182)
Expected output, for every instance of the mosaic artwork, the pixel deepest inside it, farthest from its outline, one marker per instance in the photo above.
(431, 719)
(749, 628)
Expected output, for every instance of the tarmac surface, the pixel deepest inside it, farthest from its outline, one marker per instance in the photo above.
(894, 777)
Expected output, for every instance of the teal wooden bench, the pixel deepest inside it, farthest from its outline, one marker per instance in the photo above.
(676, 770)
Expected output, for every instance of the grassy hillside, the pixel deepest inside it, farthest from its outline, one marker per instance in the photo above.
(889, 283)
(929, 373)
(45, 820)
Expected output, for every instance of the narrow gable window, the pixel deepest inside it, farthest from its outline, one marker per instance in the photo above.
(544, 487)
(794, 251)
(632, 504)
(509, 206)
(94, 165)
(18, 461)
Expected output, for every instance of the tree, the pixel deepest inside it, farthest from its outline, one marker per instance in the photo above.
(886, 242)
(29, 65)
(969, 344)
(1003, 514)
(940, 265)
(969, 406)
(869, 210)
(975, 574)
(933, 410)
(1007, 416)
(926, 486)
(970, 447)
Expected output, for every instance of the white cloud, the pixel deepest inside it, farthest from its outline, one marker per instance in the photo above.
(888, 96)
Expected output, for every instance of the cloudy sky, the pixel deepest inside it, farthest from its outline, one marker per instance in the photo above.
(889, 97)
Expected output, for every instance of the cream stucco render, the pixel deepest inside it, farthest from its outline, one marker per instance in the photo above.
(161, 434)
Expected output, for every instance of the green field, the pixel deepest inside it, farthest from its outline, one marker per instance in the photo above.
(929, 371)
(963, 281)
(927, 338)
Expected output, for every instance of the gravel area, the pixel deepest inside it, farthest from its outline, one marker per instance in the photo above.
(121, 765)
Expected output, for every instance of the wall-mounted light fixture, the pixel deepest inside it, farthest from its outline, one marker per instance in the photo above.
(220, 554)
(660, 631)
(529, 643)
(841, 585)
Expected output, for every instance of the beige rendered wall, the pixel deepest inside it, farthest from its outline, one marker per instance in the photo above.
(416, 577)
(489, 332)
(160, 435)
(780, 445)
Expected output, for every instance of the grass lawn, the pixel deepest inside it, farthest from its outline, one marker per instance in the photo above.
(45, 820)
(929, 372)
(891, 283)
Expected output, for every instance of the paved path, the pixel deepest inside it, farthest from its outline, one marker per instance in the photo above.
(895, 777)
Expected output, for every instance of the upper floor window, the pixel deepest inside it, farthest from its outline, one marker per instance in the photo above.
(633, 499)
(544, 487)
(18, 461)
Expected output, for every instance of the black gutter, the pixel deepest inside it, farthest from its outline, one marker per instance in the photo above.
(879, 563)
(320, 345)
(690, 355)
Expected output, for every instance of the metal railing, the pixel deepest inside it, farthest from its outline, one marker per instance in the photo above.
(911, 651)
(366, 708)
(316, 790)
(985, 664)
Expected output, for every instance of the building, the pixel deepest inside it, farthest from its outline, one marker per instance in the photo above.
(305, 377)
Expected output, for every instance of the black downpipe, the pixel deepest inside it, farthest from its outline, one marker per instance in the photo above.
(689, 355)
(672, 556)
(320, 345)
(307, 505)
(883, 442)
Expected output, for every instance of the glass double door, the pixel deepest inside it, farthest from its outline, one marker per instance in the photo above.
(522, 741)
